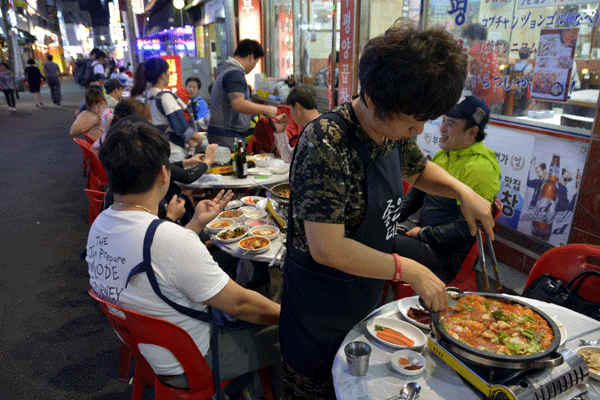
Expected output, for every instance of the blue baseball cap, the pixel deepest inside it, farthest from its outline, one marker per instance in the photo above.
(473, 109)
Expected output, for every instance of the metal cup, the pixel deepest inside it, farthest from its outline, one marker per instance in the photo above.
(357, 355)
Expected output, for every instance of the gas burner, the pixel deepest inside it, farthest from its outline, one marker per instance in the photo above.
(501, 384)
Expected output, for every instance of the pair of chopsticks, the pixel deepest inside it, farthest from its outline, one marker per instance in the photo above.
(483, 247)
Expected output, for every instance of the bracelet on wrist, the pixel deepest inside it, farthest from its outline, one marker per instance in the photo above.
(398, 273)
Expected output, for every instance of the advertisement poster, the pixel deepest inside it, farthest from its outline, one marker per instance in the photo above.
(552, 76)
(551, 189)
(525, 170)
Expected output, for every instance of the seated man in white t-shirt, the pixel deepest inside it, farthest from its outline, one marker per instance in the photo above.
(136, 158)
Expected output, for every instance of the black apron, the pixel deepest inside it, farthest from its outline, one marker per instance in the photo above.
(320, 304)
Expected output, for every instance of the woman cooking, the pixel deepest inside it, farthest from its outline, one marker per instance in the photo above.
(346, 187)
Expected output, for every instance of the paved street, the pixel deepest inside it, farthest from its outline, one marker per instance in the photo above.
(55, 344)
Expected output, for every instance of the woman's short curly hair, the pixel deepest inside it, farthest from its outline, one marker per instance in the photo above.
(412, 72)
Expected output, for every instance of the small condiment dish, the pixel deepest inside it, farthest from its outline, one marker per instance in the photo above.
(408, 362)
(254, 214)
(254, 244)
(256, 222)
(234, 239)
(217, 225)
(264, 231)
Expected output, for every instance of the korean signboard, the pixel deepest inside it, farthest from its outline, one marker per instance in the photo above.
(175, 80)
(346, 51)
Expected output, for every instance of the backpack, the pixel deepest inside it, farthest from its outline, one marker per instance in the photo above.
(83, 72)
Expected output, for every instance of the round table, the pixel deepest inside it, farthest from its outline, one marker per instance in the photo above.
(259, 180)
(438, 381)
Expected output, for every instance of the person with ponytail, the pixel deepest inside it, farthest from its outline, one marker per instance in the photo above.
(151, 78)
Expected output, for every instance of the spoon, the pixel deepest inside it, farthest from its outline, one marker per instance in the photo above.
(410, 390)
(590, 342)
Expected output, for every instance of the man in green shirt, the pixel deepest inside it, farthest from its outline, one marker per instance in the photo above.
(441, 239)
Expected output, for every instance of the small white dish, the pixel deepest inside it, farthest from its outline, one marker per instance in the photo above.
(217, 225)
(236, 215)
(263, 160)
(593, 365)
(247, 208)
(233, 204)
(254, 244)
(279, 169)
(256, 222)
(405, 304)
(219, 235)
(403, 359)
(268, 231)
(254, 214)
(561, 329)
(251, 200)
(405, 328)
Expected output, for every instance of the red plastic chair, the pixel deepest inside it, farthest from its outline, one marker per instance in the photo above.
(464, 280)
(97, 177)
(81, 142)
(564, 262)
(88, 138)
(96, 199)
(134, 328)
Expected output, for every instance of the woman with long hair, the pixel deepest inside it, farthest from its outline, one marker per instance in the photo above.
(151, 78)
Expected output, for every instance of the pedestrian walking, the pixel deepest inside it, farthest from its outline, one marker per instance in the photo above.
(34, 79)
(7, 85)
(52, 74)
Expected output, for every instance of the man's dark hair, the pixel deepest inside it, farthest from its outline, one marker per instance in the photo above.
(133, 155)
(475, 31)
(97, 53)
(247, 47)
(480, 134)
(412, 72)
(49, 57)
(194, 79)
(303, 95)
(122, 69)
(542, 166)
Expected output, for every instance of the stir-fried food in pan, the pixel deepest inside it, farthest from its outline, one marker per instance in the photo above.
(497, 326)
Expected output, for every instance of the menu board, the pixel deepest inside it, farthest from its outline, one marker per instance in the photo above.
(525, 169)
(552, 76)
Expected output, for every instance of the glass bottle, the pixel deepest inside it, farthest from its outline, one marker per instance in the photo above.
(240, 161)
(541, 226)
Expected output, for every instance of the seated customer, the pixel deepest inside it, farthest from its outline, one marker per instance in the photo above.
(88, 120)
(136, 158)
(303, 109)
(441, 240)
(114, 93)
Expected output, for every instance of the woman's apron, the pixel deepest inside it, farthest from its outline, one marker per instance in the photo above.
(320, 304)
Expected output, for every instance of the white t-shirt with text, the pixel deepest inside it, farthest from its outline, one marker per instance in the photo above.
(184, 269)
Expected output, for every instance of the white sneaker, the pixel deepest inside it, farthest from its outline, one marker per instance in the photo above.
(12, 109)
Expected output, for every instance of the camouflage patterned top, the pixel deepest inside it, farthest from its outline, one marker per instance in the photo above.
(327, 175)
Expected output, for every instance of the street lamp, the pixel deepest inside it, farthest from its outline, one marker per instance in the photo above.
(179, 4)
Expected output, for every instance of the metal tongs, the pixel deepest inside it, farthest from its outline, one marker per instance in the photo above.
(483, 247)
